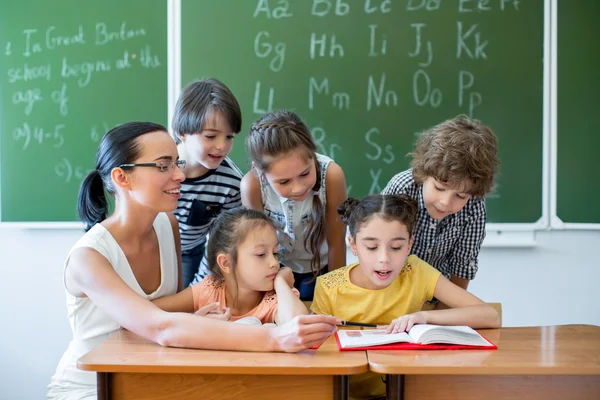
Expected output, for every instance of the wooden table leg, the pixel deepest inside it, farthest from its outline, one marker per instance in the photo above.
(394, 388)
(341, 387)
(103, 381)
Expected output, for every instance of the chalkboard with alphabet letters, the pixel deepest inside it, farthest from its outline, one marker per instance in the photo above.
(368, 75)
(71, 70)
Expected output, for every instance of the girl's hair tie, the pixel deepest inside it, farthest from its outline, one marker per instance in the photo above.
(315, 192)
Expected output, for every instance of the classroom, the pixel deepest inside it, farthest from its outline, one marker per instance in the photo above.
(367, 77)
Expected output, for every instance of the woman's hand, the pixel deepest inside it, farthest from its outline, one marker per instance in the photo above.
(405, 322)
(214, 310)
(303, 332)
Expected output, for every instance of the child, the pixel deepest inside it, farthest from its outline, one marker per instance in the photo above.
(387, 286)
(206, 117)
(452, 170)
(300, 191)
(246, 276)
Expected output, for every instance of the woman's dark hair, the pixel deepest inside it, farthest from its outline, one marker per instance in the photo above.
(278, 133)
(391, 207)
(118, 146)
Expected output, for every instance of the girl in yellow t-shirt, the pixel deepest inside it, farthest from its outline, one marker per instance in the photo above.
(387, 286)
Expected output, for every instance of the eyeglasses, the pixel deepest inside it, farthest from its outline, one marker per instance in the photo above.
(163, 166)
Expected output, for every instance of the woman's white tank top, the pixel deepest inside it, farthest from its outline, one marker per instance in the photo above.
(89, 324)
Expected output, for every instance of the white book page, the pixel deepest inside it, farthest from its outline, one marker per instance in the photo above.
(426, 333)
(370, 337)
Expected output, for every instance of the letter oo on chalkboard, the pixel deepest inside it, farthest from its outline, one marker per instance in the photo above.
(431, 96)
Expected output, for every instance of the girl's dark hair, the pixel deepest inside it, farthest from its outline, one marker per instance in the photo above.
(229, 230)
(281, 132)
(118, 146)
(198, 101)
(391, 207)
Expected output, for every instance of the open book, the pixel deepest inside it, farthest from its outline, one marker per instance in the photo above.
(420, 337)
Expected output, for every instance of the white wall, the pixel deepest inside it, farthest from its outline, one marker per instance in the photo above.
(553, 283)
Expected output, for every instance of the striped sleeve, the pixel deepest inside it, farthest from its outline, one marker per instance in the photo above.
(235, 198)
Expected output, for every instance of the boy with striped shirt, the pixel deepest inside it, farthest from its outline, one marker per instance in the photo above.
(206, 118)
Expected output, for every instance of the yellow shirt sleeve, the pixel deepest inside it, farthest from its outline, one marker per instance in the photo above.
(321, 301)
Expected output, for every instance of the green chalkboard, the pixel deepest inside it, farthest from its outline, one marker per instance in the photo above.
(367, 76)
(70, 70)
(578, 139)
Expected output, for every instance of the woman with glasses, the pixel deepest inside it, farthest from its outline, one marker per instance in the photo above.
(132, 256)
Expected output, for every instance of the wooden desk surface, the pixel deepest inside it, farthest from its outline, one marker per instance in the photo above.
(125, 351)
(548, 350)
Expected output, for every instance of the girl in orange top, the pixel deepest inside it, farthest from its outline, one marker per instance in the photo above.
(246, 279)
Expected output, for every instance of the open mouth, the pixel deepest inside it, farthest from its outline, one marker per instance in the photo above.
(383, 275)
(174, 192)
(215, 158)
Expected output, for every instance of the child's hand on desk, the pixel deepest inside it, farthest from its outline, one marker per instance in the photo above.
(303, 332)
(287, 275)
(405, 322)
(214, 310)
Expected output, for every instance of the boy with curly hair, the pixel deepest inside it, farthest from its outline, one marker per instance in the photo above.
(452, 171)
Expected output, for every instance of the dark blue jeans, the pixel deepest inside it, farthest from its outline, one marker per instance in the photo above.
(305, 283)
(190, 264)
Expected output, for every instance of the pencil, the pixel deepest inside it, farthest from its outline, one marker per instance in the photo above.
(349, 323)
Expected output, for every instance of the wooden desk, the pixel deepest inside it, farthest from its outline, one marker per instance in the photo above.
(553, 362)
(131, 367)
